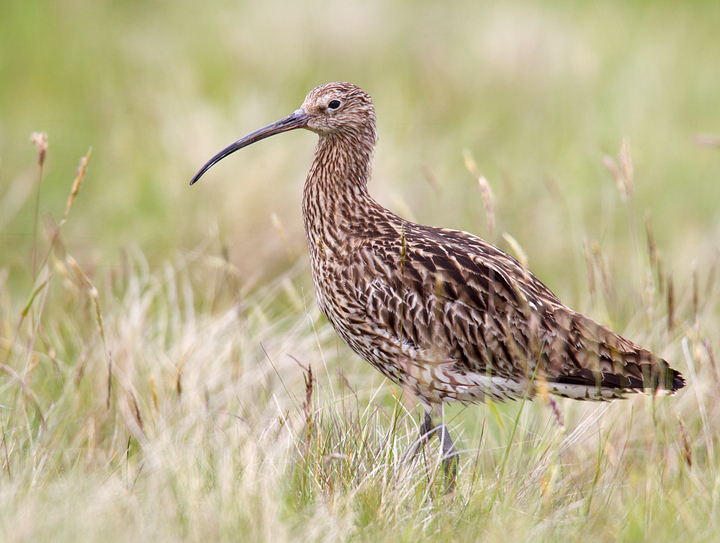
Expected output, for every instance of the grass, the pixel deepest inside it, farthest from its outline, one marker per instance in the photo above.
(165, 373)
(173, 405)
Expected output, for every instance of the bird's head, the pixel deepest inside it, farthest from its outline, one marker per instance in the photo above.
(338, 107)
(330, 109)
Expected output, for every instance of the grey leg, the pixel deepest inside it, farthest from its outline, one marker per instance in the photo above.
(450, 458)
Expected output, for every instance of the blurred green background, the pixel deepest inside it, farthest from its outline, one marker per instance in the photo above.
(537, 93)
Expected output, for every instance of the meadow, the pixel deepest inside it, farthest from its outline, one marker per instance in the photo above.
(165, 373)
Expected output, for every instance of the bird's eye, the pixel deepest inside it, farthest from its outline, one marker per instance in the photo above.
(334, 104)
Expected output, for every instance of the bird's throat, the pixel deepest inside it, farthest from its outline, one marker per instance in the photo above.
(335, 197)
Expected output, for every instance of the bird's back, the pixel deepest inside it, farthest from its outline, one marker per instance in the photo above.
(451, 317)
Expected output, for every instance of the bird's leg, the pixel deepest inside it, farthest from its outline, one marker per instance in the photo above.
(450, 457)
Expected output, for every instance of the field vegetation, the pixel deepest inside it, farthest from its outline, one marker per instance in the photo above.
(165, 374)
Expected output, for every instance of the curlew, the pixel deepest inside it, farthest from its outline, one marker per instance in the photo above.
(440, 312)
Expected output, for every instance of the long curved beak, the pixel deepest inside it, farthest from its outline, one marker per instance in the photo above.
(297, 119)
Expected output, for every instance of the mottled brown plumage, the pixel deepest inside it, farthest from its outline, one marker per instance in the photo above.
(440, 312)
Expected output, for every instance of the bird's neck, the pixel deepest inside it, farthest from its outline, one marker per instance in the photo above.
(335, 198)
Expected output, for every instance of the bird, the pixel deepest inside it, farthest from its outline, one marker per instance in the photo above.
(439, 312)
